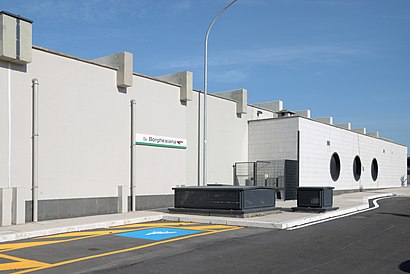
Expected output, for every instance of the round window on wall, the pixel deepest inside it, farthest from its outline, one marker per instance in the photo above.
(335, 166)
(357, 168)
(374, 169)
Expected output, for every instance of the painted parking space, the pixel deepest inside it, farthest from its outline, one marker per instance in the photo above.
(51, 252)
(160, 233)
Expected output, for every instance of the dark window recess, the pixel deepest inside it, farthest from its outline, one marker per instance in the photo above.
(335, 167)
(357, 168)
(374, 169)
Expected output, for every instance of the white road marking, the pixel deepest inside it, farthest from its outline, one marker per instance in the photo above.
(376, 205)
(160, 233)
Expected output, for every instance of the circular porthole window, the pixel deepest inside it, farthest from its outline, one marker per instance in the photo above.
(374, 169)
(357, 168)
(335, 166)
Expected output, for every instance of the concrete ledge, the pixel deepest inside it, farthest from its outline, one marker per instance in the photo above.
(14, 50)
(326, 120)
(185, 80)
(361, 130)
(347, 126)
(240, 96)
(374, 134)
(274, 106)
(123, 62)
(304, 113)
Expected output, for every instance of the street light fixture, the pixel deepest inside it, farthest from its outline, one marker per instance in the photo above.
(206, 88)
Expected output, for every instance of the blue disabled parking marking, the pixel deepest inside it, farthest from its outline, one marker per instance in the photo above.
(159, 233)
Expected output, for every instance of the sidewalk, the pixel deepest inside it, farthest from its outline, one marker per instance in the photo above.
(284, 219)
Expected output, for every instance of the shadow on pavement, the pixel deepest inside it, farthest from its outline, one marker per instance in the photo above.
(405, 266)
(396, 214)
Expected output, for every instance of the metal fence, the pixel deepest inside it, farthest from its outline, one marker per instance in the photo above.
(244, 173)
(281, 174)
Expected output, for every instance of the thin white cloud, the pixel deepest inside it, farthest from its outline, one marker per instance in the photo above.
(177, 7)
(325, 2)
(331, 2)
(229, 76)
(288, 55)
(299, 54)
(397, 17)
(254, 2)
(96, 11)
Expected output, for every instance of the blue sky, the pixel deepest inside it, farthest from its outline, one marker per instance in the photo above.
(349, 59)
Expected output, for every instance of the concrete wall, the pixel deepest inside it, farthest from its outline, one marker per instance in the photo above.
(4, 139)
(227, 137)
(319, 141)
(84, 134)
(84, 130)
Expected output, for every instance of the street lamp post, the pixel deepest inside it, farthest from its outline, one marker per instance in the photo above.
(204, 182)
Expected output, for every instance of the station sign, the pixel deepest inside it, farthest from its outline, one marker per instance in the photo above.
(160, 141)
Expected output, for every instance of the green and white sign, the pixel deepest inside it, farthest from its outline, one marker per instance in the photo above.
(160, 141)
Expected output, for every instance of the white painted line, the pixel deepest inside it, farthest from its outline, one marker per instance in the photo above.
(376, 205)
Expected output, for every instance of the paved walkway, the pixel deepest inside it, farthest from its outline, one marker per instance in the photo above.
(284, 219)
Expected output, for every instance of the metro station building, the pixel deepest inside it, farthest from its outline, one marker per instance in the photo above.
(90, 116)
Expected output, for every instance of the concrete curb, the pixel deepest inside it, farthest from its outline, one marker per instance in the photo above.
(276, 225)
(51, 231)
(333, 214)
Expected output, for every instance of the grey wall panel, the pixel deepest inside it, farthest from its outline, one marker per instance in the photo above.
(155, 201)
(273, 139)
(70, 208)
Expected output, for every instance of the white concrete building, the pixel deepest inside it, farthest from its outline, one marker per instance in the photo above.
(328, 155)
(84, 135)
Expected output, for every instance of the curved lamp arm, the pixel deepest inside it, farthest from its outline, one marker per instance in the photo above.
(204, 182)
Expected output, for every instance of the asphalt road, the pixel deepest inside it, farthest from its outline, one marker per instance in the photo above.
(376, 241)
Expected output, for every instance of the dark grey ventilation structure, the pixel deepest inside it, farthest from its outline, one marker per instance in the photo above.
(315, 199)
(357, 168)
(335, 167)
(374, 169)
(224, 200)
